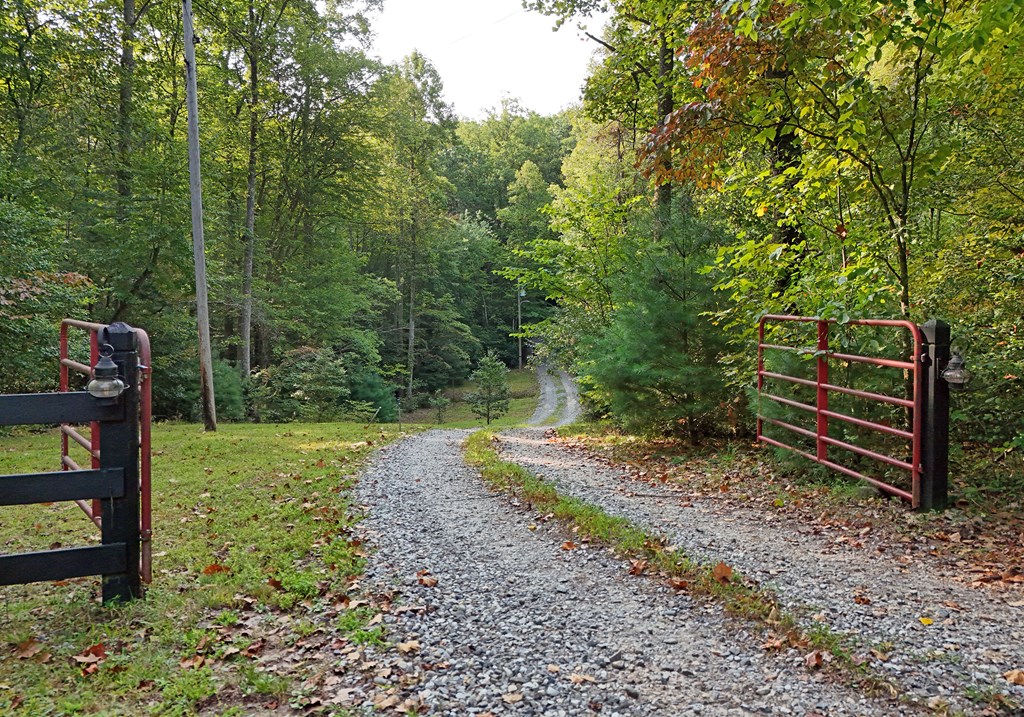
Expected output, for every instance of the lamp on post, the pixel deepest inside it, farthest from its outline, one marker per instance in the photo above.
(105, 383)
(955, 374)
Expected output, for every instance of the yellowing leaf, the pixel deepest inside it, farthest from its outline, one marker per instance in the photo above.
(722, 573)
(926, 620)
(1015, 676)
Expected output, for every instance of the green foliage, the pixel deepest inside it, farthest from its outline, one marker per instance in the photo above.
(656, 362)
(490, 399)
(439, 402)
(308, 384)
(35, 294)
(229, 392)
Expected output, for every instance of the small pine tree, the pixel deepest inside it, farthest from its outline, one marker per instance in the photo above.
(439, 402)
(490, 400)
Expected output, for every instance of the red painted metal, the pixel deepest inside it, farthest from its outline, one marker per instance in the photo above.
(92, 442)
(823, 387)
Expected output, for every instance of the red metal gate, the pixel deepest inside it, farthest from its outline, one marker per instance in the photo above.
(91, 443)
(824, 356)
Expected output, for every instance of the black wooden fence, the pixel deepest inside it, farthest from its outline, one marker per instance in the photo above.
(115, 483)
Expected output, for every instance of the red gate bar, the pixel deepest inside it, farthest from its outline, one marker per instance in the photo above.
(92, 442)
(821, 410)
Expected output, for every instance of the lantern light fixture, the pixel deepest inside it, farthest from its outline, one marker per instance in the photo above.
(955, 374)
(105, 383)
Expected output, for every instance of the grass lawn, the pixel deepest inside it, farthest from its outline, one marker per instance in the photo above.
(523, 389)
(255, 565)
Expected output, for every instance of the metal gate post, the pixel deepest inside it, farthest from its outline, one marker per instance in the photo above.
(935, 414)
(822, 397)
(119, 447)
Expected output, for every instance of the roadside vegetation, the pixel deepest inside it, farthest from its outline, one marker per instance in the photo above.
(256, 569)
(978, 536)
(458, 413)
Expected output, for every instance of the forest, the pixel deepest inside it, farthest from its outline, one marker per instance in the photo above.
(366, 247)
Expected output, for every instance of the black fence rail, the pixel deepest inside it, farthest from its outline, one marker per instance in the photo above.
(114, 484)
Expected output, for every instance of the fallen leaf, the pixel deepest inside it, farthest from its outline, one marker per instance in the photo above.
(678, 584)
(254, 649)
(817, 659)
(637, 567)
(382, 703)
(428, 581)
(27, 649)
(554, 668)
(862, 599)
(879, 655)
(215, 568)
(195, 661)
(407, 647)
(91, 655)
(512, 697)
(722, 573)
(1015, 676)
(926, 620)
(569, 545)
(577, 678)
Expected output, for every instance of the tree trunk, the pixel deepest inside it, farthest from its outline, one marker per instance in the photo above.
(245, 328)
(666, 104)
(411, 360)
(124, 110)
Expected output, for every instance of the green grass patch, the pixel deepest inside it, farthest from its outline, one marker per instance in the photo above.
(253, 530)
(523, 389)
(651, 554)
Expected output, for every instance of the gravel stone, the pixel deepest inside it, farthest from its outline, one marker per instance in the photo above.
(964, 651)
(509, 602)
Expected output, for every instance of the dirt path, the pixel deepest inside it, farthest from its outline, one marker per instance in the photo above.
(939, 639)
(556, 397)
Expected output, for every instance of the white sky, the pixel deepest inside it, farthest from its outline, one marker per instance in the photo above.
(488, 49)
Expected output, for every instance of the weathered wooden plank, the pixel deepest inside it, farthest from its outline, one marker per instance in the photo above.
(62, 564)
(71, 407)
(61, 485)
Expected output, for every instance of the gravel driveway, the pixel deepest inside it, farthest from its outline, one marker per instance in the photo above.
(515, 625)
(877, 599)
(507, 622)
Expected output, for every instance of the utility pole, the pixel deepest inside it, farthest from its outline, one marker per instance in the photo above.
(519, 320)
(198, 241)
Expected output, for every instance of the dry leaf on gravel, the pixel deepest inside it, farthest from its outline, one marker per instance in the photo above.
(426, 579)
(569, 545)
(577, 678)
(926, 621)
(512, 697)
(722, 573)
(383, 702)
(1015, 676)
(407, 647)
(554, 668)
(817, 659)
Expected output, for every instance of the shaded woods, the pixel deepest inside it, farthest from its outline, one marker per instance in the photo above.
(831, 158)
